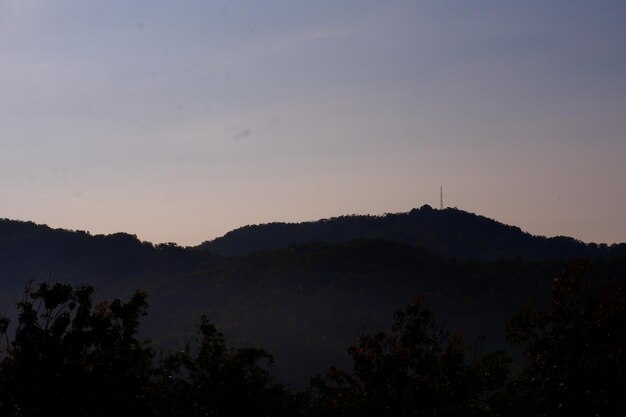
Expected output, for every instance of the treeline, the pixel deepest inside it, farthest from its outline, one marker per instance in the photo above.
(449, 233)
(67, 354)
(310, 299)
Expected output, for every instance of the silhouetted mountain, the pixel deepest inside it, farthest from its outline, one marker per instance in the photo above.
(449, 232)
(29, 251)
(306, 300)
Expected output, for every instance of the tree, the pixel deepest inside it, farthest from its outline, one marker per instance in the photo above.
(68, 356)
(213, 379)
(576, 348)
(417, 369)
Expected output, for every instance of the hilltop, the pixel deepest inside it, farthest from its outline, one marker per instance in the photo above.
(449, 232)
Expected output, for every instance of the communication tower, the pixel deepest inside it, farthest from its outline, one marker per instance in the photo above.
(441, 197)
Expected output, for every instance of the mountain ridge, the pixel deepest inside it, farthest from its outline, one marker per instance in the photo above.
(449, 232)
(306, 299)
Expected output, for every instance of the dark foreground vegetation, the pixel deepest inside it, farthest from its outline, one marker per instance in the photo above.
(69, 355)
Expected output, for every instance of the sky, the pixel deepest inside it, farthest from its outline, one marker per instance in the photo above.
(180, 120)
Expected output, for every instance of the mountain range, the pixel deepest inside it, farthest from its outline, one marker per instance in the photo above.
(306, 291)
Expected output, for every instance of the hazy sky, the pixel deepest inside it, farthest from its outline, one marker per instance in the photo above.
(180, 120)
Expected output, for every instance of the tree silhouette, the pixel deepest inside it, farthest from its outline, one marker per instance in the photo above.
(417, 369)
(575, 347)
(69, 356)
(213, 379)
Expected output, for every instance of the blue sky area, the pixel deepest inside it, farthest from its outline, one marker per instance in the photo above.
(180, 120)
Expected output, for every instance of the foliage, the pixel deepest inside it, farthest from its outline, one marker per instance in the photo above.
(217, 380)
(575, 347)
(68, 354)
(417, 369)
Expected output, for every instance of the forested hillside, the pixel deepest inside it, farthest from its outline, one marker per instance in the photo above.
(73, 354)
(449, 232)
(307, 299)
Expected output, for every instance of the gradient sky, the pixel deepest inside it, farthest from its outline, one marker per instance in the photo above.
(180, 120)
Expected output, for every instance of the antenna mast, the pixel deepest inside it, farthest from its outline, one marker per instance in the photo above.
(441, 197)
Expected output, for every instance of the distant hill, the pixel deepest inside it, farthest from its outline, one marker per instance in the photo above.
(306, 302)
(449, 232)
(30, 251)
